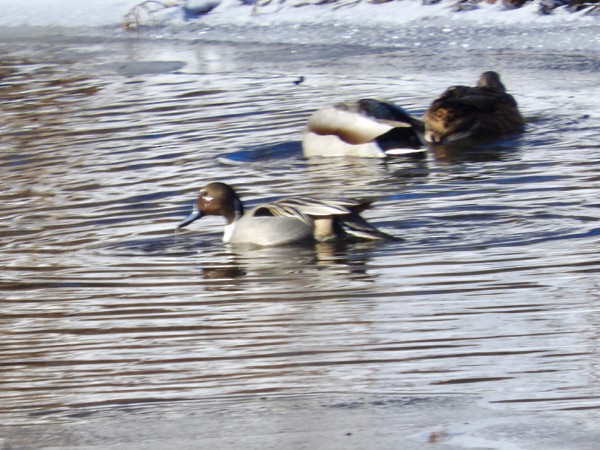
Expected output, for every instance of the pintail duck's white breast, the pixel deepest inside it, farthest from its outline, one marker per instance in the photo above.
(366, 128)
(286, 221)
(485, 111)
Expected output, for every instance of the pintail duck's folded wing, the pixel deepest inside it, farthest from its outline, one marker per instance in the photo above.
(306, 208)
(332, 218)
(389, 112)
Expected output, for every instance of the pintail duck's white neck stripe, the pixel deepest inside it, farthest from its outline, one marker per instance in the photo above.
(228, 232)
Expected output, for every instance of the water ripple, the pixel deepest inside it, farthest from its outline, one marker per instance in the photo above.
(492, 292)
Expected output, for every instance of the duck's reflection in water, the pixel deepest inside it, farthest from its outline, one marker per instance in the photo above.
(356, 176)
(323, 265)
(475, 151)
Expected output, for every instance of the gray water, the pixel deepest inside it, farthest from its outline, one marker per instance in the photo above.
(492, 295)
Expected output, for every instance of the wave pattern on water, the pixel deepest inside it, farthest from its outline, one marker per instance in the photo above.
(493, 292)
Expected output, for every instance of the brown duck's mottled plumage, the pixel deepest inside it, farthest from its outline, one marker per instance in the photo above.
(483, 111)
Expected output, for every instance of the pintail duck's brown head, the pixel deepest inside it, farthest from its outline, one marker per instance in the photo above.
(215, 199)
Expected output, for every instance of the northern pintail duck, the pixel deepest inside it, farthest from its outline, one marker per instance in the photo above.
(484, 111)
(286, 221)
(365, 128)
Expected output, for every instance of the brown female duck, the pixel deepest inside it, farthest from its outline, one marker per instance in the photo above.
(485, 111)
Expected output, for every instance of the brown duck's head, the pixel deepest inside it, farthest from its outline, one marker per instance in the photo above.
(491, 80)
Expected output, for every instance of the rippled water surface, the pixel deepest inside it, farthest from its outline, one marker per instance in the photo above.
(493, 293)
